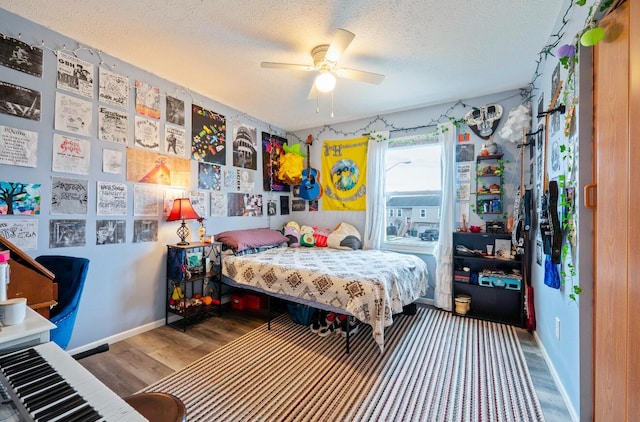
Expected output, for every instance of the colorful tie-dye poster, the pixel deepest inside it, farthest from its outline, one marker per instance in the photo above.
(19, 198)
(272, 153)
(344, 174)
(209, 136)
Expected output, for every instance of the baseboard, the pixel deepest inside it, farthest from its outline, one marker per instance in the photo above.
(118, 337)
(556, 379)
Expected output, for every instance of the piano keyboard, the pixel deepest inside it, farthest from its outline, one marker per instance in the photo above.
(44, 383)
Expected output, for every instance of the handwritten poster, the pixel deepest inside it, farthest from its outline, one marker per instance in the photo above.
(113, 88)
(112, 199)
(147, 134)
(70, 155)
(198, 201)
(75, 75)
(174, 140)
(147, 100)
(69, 196)
(73, 114)
(145, 200)
(112, 161)
(18, 147)
(22, 233)
(113, 125)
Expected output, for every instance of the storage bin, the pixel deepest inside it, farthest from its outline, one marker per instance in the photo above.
(255, 302)
(301, 314)
(463, 304)
(237, 302)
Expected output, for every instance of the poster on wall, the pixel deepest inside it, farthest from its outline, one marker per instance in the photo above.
(111, 198)
(112, 161)
(199, 202)
(18, 147)
(113, 88)
(69, 196)
(344, 175)
(245, 147)
(464, 172)
(19, 198)
(465, 152)
(245, 180)
(20, 56)
(145, 231)
(175, 110)
(67, 233)
(147, 100)
(147, 134)
(19, 101)
(284, 205)
(152, 167)
(109, 232)
(244, 205)
(218, 204)
(170, 195)
(272, 153)
(145, 200)
(174, 140)
(22, 233)
(208, 130)
(113, 125)
(70, 155)
(74, 74)
(209, 176)
(73, 114)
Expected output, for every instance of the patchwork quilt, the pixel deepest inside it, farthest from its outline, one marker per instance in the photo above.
(371, 285)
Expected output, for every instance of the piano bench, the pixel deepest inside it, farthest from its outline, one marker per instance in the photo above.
(158, 407)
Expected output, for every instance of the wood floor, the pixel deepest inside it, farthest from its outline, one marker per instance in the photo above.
(132, 364)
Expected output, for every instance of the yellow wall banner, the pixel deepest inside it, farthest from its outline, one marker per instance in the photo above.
(344, 174)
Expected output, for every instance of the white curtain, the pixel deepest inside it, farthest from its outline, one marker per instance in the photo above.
(443, 252)
(375, 206)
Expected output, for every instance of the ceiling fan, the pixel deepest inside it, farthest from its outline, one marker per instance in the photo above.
(325, 62)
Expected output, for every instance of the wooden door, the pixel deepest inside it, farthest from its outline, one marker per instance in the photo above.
(617, 232)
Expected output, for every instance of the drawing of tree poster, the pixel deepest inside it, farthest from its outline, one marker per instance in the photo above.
(19, 198)
(208, 131)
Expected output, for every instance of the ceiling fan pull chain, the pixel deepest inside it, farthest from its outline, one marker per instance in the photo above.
(317, 102)
(331, 104)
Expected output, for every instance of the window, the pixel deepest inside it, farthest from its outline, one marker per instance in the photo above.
(413, 190)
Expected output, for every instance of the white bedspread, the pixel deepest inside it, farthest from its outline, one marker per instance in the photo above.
(371, 285)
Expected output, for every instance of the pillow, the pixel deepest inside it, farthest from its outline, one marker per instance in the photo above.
(239, 240)
(345, 236)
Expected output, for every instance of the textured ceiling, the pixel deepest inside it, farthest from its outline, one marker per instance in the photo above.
(431, 51)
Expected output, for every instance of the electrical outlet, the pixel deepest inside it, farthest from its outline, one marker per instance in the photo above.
(558, 328)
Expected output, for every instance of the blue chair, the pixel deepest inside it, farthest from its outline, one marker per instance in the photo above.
(70, 273)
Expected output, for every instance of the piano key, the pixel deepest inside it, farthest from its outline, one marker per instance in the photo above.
(48, 397)
(83, 414)
(91, 399)
(60, 408)
(22, 366)
(27, 377)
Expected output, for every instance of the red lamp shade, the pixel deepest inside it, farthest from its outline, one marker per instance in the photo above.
(182, 210)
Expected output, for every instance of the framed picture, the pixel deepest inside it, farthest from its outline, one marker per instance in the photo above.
(502, 248)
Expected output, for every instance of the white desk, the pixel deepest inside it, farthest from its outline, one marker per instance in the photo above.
(33, 330)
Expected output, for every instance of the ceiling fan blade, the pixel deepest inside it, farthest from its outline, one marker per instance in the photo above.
(341, 41)
(359, 75)
(271, 65)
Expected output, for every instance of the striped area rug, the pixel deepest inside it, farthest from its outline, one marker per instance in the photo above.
(435, 367)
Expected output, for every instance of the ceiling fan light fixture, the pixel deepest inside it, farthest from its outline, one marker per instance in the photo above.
(325, 82)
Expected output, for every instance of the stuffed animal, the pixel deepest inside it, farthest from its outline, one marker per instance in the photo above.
(292, 232)
(345, 236)
(320, 235)
(306, 236)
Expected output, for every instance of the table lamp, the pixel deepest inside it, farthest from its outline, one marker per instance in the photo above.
(182, 210)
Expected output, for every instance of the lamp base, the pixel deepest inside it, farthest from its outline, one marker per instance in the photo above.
(183, 232)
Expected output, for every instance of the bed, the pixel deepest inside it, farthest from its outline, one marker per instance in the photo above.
(371, 285)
